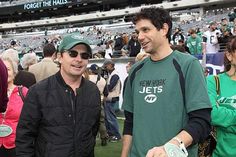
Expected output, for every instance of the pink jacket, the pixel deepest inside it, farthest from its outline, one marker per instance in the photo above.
(11, 117)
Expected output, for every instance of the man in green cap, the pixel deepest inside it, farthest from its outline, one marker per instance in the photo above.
(60, 117)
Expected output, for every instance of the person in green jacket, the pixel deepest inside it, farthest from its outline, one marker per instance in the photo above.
(194, 43)
(223, 112)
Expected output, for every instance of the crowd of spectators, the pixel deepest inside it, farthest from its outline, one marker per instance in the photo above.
(122, 41)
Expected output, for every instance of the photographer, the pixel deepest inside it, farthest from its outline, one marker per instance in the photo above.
(112, 101)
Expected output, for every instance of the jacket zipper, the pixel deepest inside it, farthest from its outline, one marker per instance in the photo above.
(72, 107)
(73, 112)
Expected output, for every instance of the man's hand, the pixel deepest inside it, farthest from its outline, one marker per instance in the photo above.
(157, 152)
(184, 136)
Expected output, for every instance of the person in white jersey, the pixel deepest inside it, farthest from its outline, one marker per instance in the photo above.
(210, 41)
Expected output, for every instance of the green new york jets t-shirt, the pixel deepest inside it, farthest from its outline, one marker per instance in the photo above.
(155, 98)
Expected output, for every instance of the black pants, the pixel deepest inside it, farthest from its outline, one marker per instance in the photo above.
(7, 152)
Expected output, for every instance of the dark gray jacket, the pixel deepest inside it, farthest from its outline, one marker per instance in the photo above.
(56, 123)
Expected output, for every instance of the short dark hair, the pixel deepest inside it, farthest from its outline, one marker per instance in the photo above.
(49, 50)
(157, 16)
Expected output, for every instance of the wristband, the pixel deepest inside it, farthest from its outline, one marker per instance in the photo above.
(181, 145)
(173, 150)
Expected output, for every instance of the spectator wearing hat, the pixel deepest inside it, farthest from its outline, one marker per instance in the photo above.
(128, 67)
(95, 77)
(3, 87)
(210, 39)
(112, 101)
(60, 116)
(224, 25)
(46, 67)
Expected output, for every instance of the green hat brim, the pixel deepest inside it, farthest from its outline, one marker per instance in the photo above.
(73, 44)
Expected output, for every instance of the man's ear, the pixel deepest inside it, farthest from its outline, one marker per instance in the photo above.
(59, 56)
(165, 29)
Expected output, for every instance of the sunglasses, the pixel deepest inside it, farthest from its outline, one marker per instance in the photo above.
(83, 55)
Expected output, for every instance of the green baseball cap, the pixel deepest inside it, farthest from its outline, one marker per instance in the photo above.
(212, 23)
(71, 40)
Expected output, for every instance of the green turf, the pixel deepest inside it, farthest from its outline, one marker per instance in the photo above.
(111, 149)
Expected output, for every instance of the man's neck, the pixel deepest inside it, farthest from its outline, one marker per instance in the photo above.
(73, 82)
(161, 53)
